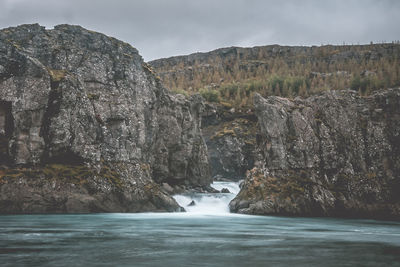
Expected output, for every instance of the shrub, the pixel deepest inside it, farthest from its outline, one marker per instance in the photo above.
(229, 90)
(276, 83)
(367, 84)
(210, 95)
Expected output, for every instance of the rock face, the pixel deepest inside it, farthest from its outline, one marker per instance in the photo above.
(85, 126)
(180, 153)
(335, 154)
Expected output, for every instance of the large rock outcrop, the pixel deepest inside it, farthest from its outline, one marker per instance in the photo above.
(85, 126)
(334, 154)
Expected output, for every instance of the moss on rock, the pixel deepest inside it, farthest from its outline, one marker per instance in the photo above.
(73, 174)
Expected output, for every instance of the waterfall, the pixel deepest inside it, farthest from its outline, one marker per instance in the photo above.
(209, 203)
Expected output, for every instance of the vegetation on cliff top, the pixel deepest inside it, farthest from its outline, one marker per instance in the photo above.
(233, 74)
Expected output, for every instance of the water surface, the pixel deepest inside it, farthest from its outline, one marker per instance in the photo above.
(195, 239)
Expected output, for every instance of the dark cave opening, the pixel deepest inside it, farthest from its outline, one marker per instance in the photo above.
(231, 142)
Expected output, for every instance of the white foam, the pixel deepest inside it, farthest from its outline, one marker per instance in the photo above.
(210, 203)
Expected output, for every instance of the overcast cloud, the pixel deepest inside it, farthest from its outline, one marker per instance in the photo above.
(163, 28)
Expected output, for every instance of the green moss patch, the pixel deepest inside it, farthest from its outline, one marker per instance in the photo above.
(93, 96)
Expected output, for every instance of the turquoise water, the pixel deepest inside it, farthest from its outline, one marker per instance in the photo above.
(190, 239)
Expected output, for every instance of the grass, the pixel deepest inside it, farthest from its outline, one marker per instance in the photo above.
(75, 174)
(57, 75)
(223, 132)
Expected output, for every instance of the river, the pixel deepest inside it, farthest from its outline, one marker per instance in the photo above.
(200, 237)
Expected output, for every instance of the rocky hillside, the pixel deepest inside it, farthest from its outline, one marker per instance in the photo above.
(85, 126)
(333, 154)
(234, 74)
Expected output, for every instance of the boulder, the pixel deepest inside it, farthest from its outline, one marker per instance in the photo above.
(167, 188)
(225, 190)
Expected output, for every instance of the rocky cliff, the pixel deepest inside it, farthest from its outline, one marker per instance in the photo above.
(333, 154)
(85, 126)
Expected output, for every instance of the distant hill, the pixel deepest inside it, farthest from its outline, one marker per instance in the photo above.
(231, 75)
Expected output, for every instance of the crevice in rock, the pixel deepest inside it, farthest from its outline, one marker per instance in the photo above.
(320, 146)
(364, 132)
(66, 157)
(52, 109)
(6, 130)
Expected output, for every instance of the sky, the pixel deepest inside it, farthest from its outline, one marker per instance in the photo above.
(164, 28)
